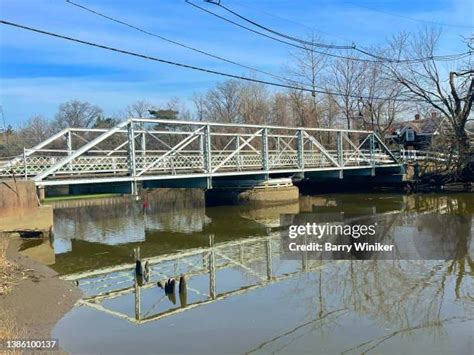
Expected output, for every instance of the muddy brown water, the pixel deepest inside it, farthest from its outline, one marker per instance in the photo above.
(242, 296)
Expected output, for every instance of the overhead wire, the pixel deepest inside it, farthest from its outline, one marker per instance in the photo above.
(121, 22)
(196, 68)
(295, 45)
(378, 58)
(280, 34)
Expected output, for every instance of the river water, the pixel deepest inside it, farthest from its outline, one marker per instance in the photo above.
(242, 296)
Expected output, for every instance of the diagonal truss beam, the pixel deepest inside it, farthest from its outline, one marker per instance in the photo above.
(109, 152)
(30, 151)
(244, 143)
(221, 151)
(243, 266)
(287, 147)
(382, 144)
(321, 148)
(178, 147)
(357, 148)
(166, 144)
(81, 151)
(121, 145)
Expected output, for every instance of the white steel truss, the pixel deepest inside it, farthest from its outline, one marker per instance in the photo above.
(154, 149)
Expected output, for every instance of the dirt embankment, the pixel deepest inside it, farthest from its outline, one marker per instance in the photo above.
(32, 296)
(20, 209)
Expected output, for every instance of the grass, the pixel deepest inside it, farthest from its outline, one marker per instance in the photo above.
(7, 268)
(79, 197)
(9, 330)
(8, 327)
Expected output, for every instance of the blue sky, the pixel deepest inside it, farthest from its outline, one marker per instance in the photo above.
(37, 73)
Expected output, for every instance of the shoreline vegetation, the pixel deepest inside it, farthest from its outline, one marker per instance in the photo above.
(9, 328)
(32, 298)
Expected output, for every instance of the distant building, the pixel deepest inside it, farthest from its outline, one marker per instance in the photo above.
(414, 134)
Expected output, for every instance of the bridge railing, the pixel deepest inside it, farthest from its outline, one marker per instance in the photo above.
(139, 149)
(424, 155)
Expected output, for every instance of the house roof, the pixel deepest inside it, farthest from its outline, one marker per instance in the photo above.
(427, 125)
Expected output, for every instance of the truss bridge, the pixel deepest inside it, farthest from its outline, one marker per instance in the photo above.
(183, 153)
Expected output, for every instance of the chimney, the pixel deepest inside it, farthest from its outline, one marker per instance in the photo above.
(417, 116)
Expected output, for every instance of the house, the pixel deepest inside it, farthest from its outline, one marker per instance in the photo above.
(415, 134)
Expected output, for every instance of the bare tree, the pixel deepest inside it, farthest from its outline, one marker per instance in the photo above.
(381, 104)
(307, 67)
(139, 109)
(347, 78)
(253, 103)
(77, 114)
(280, 112)
(36, 130)
(222, 102)
(199, 101)
(423, 80)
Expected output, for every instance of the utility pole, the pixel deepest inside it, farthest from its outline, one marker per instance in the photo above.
(5, 135)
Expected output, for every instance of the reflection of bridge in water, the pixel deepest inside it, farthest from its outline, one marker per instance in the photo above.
(210, 277)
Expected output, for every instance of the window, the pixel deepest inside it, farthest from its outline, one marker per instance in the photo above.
(409, 135)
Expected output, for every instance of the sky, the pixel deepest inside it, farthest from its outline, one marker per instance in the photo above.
(37, 73)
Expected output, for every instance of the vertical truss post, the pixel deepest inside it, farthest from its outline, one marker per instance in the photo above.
(206, 152)
(237, 148)
(372, 152)
(265, 164)
(131, 156)
(268, 250)
(300, 149)
(340, 153)
(25, 165)
(69, 146)
(69, 142)
(136, 253)
(212, 269)
(143, 143)
(201, 143)
(207, 149)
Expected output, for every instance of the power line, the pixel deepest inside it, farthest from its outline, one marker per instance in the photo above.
(410, 18)
(178, 43)
(354, 47)
(192, 67)
(299, 40)
(275, 38)
(311, 28)
(378, 59)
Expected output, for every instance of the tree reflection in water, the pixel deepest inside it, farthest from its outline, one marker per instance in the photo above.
(407, 295)
(397, 298)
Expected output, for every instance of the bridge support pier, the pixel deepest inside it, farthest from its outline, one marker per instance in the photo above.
(267, 192)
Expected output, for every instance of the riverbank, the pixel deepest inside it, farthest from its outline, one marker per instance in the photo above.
(32, 294)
